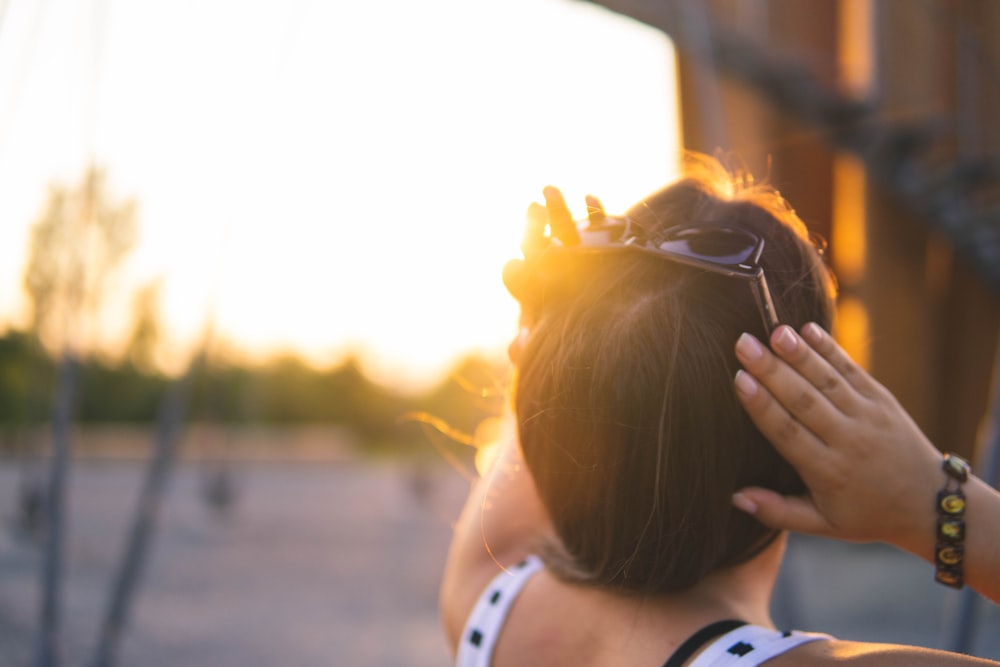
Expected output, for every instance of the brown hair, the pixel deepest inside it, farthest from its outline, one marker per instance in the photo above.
(626, 411)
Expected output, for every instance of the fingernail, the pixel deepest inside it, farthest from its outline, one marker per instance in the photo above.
(745, 384)
(749, 347)
(812, 333)
(743, 502)
(785, 340)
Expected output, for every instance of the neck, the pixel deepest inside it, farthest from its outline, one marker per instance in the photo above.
(651, 626)
(742, 592)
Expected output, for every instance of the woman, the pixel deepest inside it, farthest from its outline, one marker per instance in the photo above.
(641, 519)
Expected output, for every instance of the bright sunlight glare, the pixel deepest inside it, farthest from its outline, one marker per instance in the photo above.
(328, 178)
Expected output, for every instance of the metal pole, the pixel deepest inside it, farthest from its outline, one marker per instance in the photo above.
(47, 650)
(144, 522)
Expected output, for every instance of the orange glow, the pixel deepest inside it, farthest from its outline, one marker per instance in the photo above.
(852, 330)
(490, 435)
(487, 438)
(849, 247)
(855, 45)
(848, 242)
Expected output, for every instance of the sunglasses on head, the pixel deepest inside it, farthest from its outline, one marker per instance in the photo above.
(718, 248)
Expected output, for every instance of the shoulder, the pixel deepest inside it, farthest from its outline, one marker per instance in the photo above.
(488, 617)
(460, 590)
(864, 654)
(476, 589)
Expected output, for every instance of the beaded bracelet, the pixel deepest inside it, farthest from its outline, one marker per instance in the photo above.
(949, 548)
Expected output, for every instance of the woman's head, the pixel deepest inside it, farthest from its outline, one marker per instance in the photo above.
(626, 411)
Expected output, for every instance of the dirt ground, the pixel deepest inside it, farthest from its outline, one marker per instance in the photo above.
(338, 563)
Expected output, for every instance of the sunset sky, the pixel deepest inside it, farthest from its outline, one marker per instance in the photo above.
(334, 176)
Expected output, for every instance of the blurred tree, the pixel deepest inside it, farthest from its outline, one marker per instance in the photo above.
(25, 369)
(118, 392)
(146, 327)
(77, 243)
(285, 390)
(288, 390)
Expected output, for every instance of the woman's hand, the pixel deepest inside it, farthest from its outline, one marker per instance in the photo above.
(555, 216)
(871, 473)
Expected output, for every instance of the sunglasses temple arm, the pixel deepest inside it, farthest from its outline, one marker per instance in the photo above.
(762, 295)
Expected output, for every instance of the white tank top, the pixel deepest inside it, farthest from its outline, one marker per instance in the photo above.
(745, 646)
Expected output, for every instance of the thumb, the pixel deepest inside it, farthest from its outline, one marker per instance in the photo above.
(774, 510)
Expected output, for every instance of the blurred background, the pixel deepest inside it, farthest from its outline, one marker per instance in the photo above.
(252, 331)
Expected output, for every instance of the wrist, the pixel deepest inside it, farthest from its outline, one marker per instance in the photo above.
(918, 513)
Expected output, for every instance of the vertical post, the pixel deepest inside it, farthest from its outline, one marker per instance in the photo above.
(47, 652)
(705, 84)
(144, 522)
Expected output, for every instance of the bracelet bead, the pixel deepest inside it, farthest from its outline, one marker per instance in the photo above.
(956, 467)
(951, 503)
(951, 529)
(948, 577)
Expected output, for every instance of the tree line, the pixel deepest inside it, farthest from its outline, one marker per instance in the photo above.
(282, 391)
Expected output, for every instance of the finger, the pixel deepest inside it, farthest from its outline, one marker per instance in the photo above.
(595, 211)
(797, 396)
(560, 219)
(513, 277)
(534, 229)
(827, 347)
(790, 347)
(790, 437)
(774, 510)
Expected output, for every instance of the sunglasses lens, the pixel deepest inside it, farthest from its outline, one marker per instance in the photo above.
(720, 245)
